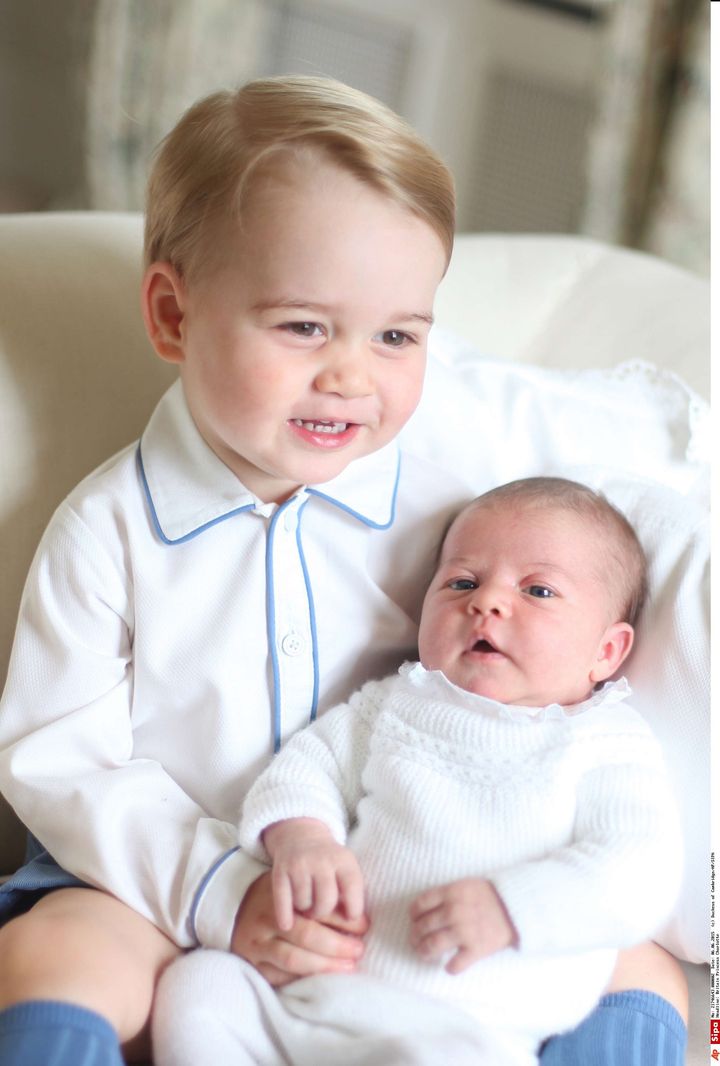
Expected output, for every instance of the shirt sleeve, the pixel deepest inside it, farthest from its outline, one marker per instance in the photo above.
(615, 883)
(318, 772)
(118, 822)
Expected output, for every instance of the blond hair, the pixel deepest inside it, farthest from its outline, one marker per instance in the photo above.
(204, 166)
(623, 559)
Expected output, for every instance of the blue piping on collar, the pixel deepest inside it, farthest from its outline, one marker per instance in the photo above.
(356, 514)
(192, 533)
(251, 506)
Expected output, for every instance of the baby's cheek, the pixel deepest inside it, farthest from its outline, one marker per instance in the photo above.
(431, 648)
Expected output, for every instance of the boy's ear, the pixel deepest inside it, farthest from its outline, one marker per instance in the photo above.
(163, 301)
(614, 648)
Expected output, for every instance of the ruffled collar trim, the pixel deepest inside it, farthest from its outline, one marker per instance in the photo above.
(432, 684)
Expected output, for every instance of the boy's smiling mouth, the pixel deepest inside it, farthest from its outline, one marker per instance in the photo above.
(324, 433)
(321, 426)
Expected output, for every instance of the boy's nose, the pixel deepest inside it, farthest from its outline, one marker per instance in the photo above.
(346, 372)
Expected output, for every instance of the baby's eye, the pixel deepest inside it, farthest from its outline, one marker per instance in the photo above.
(462, 584)
(303, 329)
(541, 592)
(395, 338)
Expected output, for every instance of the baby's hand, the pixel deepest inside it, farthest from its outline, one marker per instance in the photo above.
(310, 947)
(467, 915)
(311, 872)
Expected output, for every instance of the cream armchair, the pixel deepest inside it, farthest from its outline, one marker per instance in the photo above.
(78, 380)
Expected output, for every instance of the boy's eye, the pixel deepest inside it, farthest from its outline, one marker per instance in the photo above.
(541, 592)
(462, 584)
(394, 338)
(303, 329)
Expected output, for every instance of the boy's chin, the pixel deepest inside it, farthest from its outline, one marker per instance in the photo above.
(325, 468)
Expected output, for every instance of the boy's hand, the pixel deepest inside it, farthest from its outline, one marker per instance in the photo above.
(312, 873)
(467, 915)
(310, 947)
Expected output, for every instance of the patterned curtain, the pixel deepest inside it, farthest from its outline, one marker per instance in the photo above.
(149, 62)
(649, 164)
(678, 223)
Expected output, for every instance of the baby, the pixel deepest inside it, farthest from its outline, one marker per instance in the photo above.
(497, 809)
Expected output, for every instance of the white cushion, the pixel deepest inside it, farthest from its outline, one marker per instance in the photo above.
(565, 301)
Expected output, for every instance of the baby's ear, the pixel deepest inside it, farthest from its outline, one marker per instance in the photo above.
(163, 300)
(613, 650)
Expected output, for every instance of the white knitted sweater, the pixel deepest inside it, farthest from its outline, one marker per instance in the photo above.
(567, 811)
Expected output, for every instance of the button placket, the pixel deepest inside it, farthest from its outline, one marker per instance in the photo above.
(292, 629)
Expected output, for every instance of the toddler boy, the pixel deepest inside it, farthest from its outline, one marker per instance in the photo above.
(208, 591)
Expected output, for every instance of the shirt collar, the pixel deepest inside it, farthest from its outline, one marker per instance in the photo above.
(189, 488)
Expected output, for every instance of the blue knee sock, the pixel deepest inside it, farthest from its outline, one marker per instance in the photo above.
(48, 1033)
(626, 1029)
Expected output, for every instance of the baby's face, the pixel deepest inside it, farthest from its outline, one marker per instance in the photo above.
(519, 610)
(306, 349)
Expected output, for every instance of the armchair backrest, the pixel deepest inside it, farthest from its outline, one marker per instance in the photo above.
(78, 380)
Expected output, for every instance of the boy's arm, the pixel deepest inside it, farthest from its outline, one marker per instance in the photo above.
(615, 884)
(310, 947)
(67, 764)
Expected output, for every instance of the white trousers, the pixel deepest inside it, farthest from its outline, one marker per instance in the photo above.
(213, 1008)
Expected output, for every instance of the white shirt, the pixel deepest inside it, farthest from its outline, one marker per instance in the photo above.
(173, 630)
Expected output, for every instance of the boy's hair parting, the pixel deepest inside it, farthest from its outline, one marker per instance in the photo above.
(204, 167)
(623, 553)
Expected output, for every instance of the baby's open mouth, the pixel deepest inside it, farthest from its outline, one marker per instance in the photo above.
(484, 646)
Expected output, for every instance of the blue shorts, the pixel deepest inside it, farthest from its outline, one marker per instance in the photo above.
(39, 875)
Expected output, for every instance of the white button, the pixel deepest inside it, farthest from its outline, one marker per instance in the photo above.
(292, 644)
(290, 522)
